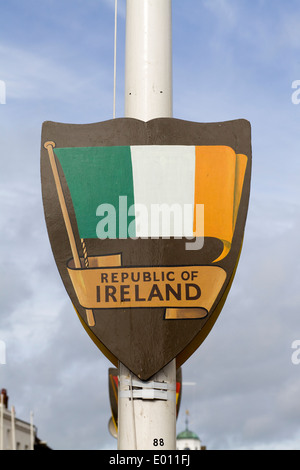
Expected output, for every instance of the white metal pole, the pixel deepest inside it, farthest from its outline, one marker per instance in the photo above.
(148, 59)
(147, 410)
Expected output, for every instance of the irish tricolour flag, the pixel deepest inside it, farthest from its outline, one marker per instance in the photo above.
(154, 191)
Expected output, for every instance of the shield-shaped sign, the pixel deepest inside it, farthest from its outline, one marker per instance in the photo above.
(113, 386)
(146, 222)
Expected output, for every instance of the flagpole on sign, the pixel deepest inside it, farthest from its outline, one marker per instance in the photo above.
(147, 410)
(49, 145)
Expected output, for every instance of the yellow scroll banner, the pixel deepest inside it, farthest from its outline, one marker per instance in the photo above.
(183, 290)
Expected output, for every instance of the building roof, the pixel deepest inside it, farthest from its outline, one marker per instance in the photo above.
(187, 434)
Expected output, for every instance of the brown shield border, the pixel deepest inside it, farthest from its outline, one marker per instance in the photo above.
(144, 341)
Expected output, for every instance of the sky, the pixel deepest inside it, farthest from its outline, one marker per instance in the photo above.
(231, 59)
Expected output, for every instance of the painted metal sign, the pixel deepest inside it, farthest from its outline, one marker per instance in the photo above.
(146, 222)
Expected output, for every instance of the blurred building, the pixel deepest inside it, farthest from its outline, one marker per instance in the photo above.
(16, 434)
(188, 440)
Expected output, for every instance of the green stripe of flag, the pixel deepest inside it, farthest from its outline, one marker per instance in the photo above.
(96, 176)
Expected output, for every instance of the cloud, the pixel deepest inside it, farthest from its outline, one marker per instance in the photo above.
(33, 77)
(226, 11)
(246, 382)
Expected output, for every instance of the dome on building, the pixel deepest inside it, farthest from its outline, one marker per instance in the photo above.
(188, 440)
(188, 435)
